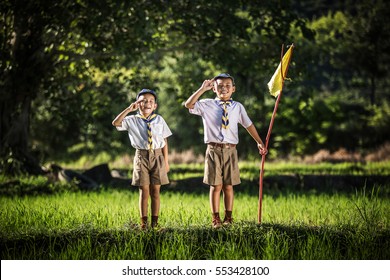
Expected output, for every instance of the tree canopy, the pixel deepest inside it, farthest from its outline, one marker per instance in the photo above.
(69, 67)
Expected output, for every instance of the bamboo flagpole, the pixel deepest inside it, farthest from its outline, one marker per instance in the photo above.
(275, 86)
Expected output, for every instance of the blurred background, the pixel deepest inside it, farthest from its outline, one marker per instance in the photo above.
(69, 67)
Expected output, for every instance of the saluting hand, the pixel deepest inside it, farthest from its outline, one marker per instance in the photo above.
(134, 106)
(208, 84)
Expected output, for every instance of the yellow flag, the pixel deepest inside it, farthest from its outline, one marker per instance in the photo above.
(276, 83)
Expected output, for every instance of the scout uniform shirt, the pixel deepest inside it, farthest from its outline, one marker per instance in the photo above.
(211, 113)
(138, 131)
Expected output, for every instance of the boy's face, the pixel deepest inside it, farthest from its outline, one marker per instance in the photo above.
(224, 88)
(147, 104)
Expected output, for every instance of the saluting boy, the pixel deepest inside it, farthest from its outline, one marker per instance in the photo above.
(221, 117)
(148, 133)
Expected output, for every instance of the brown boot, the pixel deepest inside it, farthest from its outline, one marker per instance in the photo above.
(154, 221)
(228, 220)
(144, 222)
(216, 220)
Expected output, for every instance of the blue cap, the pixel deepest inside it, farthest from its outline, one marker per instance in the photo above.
(224, 76)
(144, 91)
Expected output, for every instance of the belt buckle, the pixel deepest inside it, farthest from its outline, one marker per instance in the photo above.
(227, 145)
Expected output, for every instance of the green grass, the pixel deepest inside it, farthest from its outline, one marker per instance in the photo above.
(43, 220)
(101, 225)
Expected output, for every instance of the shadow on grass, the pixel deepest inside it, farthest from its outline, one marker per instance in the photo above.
(280, 185)
(101, 177)
(273, 185)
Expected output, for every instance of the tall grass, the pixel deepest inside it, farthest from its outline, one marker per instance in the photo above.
(102, 225)
(43, 220)
(116, 209)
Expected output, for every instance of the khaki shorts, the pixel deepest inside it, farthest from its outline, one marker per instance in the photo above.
(221, 166)
(149, 168)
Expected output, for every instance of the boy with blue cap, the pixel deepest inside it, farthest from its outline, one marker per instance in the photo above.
(221, 117)
(148, 133)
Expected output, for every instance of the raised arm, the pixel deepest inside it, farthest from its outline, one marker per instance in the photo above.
(207, 85)
(133, 107)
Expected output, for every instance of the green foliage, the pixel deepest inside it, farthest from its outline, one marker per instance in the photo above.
(68, 68)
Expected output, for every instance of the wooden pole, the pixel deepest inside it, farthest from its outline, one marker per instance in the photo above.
(259, 214)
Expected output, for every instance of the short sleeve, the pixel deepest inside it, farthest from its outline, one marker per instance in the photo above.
(124, 125)
(196, 110)
(166, 131)
(244, 119)
(200, 106)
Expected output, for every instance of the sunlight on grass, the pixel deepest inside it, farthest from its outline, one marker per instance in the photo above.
(41, 220)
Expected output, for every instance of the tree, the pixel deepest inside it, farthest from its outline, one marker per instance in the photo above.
(367, 46)
(47, 49)
(51, 52)
(352, 48)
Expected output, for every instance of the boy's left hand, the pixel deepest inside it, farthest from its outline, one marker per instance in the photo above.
(262, 149)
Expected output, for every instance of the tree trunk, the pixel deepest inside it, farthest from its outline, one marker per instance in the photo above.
(15, 149)
(20, 82)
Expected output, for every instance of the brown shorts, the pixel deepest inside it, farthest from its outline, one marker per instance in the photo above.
(149, 168)
(221, 166)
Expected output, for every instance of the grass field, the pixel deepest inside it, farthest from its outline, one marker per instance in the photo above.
(51, 221)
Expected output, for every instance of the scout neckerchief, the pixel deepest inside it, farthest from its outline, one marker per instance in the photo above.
(225, 115)
(148, 121)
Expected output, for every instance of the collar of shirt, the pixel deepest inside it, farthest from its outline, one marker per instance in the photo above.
(137, 130)
(229, 102)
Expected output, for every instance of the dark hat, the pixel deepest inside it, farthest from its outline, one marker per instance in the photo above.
(144, 91)
(224, 76)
